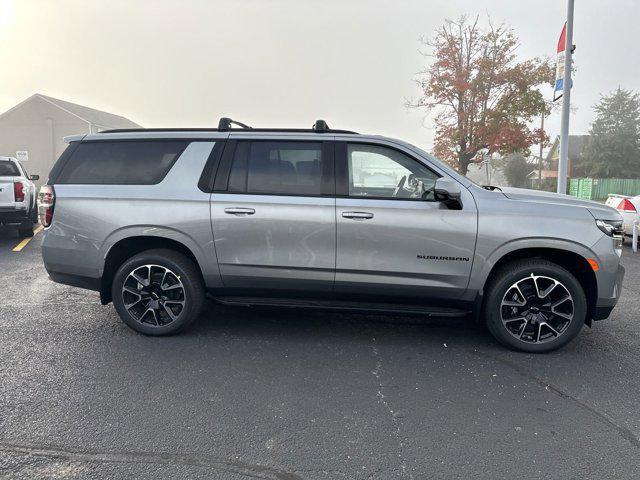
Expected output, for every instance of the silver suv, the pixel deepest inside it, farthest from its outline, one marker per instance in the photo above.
(156, 219)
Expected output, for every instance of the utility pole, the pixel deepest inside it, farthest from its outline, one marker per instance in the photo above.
(487, 164)
(566, 102)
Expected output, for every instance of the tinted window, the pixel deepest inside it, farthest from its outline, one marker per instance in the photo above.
(376, 171)
(59, 165)
(121, 163)
(286, 168)
(238, 175)
(8, 169)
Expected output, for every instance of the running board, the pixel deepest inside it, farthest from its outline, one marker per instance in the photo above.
(343, 306)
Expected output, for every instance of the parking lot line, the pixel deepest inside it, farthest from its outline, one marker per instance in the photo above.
(23, 243)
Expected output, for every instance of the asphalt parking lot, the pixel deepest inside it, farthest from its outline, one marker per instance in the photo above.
(251, 393)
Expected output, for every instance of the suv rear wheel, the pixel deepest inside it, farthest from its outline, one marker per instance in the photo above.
(534, 306)
(158, 292)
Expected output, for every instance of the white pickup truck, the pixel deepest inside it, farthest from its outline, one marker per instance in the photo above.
(17, 196)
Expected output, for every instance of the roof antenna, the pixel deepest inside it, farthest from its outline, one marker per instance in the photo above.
(225, 124)
(320, 126)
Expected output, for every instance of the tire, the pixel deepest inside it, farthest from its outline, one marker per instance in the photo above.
(25, 229)
(544, 309)
(171, 301)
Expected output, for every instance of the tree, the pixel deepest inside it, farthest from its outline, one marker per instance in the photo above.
(613, 150)
(516, 170)
(481, 95)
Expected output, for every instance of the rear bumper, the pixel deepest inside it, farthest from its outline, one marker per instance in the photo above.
(604, 306)
(12, 215)
(66, 264)
(627, 221)
(79, 281)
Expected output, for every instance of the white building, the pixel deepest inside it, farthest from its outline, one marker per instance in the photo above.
(38, 124)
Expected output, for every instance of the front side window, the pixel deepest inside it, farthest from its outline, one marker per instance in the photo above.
(382, 172)
(121, 162)
(277, 168)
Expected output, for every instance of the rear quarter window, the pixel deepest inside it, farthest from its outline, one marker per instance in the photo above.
(121, 162)
(8, 169)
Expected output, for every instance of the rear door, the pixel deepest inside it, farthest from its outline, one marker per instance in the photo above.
(8, 173)
(393, 238)
(273, 215)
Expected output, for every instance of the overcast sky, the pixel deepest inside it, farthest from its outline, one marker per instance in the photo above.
(283, 62)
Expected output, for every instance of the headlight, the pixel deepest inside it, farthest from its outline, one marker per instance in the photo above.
(612, 228)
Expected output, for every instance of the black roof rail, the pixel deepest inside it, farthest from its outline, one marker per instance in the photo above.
(226, 125)
(320, 127)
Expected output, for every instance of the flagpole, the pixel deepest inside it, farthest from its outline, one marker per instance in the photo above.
(566, 101)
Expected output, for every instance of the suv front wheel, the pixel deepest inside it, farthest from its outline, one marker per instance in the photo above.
(534, 306)
(158, 292)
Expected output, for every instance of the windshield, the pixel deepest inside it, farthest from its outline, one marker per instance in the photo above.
(442, 165)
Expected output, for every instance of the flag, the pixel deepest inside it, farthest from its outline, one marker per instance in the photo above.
(562, 43)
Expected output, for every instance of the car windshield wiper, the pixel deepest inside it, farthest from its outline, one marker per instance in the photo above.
(491, 187)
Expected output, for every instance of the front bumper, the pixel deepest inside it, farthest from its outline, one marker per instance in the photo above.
(604, 306)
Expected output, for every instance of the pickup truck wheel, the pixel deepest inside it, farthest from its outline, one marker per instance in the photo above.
(158, 292)
(25, 229)
(534, 306)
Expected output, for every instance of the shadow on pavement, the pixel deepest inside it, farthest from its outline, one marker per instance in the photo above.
(295, 324)
(8, 232)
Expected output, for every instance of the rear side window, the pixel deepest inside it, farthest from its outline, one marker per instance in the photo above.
(8, 169)
(121, 163)
(280, 168)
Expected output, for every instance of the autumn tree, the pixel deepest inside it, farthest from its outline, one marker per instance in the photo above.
(613, 150)
(481, 95)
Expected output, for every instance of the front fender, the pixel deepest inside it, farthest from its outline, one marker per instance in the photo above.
(485, 262)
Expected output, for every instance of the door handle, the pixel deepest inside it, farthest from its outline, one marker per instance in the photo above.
(357, 215)
(239, 211)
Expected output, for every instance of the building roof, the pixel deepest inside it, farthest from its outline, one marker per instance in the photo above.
(545, 174)
(576, 146)
(90, 115)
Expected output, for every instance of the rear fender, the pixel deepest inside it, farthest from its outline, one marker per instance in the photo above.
(205, 255)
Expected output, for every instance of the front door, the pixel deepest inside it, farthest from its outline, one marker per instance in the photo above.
(274, 220)
(393, 238)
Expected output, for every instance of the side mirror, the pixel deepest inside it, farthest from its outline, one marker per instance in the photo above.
(448, 192)
(34, 177)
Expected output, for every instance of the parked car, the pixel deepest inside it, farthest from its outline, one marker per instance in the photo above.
(17, 196)
(628, 207)
(156, 219)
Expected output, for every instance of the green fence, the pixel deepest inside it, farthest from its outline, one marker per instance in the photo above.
(599, 188)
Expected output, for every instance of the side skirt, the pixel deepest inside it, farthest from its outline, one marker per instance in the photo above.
(338, 305)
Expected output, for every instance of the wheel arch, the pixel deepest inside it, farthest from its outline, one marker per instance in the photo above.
(126, 247)
(574, 262)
